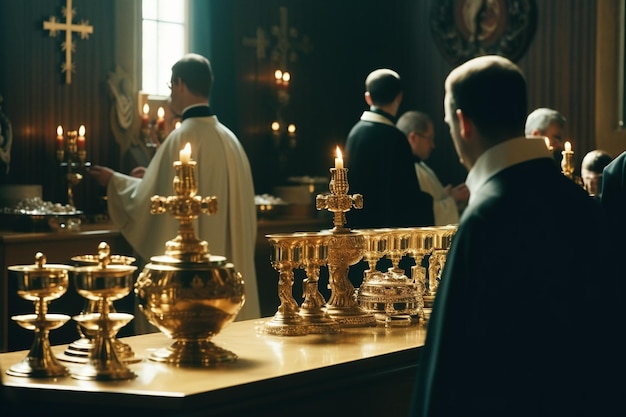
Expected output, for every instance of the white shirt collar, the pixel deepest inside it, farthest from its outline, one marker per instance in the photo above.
(502, 156)
(370, 116)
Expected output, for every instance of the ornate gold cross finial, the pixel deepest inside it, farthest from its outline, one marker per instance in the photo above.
(68, 45)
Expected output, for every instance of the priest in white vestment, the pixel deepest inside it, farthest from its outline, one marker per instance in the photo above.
(222, 170)
(447, 201)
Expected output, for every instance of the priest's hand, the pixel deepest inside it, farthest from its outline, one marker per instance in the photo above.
(101, 174)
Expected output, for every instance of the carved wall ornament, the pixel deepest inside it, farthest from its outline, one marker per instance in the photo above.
(464, 29)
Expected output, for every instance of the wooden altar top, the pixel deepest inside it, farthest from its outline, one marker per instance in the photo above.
(296, 374)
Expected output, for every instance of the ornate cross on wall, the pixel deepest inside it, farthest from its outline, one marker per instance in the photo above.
(286, 45)
(68, 45)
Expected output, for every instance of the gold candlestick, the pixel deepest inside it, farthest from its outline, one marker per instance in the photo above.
(345, 248)
(566, 163)
(72, 158)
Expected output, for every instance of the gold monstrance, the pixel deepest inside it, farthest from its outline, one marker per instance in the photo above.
(189, 294)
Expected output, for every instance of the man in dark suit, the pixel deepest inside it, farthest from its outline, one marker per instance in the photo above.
(522, 320)
(380, 162)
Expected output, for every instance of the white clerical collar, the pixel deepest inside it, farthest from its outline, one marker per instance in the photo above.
(502, 156)
(370, 116)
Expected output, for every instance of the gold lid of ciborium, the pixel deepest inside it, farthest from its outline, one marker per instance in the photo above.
(189, 294)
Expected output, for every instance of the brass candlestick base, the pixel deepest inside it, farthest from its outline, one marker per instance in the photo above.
(40, 283)
(189, 294)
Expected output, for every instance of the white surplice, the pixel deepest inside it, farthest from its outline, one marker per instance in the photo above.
(222, 170)
(444, 206)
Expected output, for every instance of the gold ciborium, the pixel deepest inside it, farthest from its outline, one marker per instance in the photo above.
(103, 284)
(80, 350)
(40, 283)
(189, 294)
(345, 248)
(390, 296)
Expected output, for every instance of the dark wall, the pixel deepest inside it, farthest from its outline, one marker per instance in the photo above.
(348, 40)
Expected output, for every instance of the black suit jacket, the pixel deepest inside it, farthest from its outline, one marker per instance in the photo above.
(524, 321)
(380, 167)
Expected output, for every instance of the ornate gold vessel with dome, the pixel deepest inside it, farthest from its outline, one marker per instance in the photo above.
(187, 293)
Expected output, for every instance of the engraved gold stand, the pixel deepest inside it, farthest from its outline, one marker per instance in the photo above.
(103, 283)
(80, 350)
(442, 239)
(40, 283)
(345, 248)
(189, 294)
(286, 256)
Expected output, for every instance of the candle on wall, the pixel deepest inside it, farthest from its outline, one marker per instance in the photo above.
(144, 117)
(59, 139)
(185, 154)
(338, 159)
(161, 119)
(286, 78)
(81, 138)
(278, 74)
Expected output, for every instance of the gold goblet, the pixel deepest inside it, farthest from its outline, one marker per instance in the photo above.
(286, 256)
(103, 284)
(80, 350)
(314, 256)
(40, 283)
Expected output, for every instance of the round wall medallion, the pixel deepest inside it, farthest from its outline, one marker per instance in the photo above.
(464, 29)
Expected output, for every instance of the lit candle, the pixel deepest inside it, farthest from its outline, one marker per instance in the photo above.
(291, 129)
(177, 125)
(568, 147)
(144, 117)
(81, 138)
(161, 119)
(275, 128)
(278, 74)
(286, 78)
(338, 159)
(185, 154)
(59, 137)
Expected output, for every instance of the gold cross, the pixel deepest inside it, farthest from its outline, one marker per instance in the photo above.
(68, 46)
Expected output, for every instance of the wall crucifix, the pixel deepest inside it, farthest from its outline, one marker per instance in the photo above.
(84, 29)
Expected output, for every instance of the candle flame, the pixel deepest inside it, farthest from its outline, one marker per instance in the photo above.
(286, 77)
(60, 130)
(275, 126)
(146, 108)
(160, 112)
(278, 74)
(568, 147)
(291, 128)
(338, 153)
(81, 130)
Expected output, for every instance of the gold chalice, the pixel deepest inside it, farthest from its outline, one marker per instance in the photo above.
(103, 284)
(40, 283)
(286, 256)
(79, 350)
(314, 256)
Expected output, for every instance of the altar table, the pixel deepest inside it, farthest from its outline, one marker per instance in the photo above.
(357, 372)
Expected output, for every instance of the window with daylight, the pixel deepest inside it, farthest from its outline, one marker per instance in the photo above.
(164, 41)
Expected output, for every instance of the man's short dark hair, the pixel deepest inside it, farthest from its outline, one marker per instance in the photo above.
(383, 85)
(491, 91)
(195, 71)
